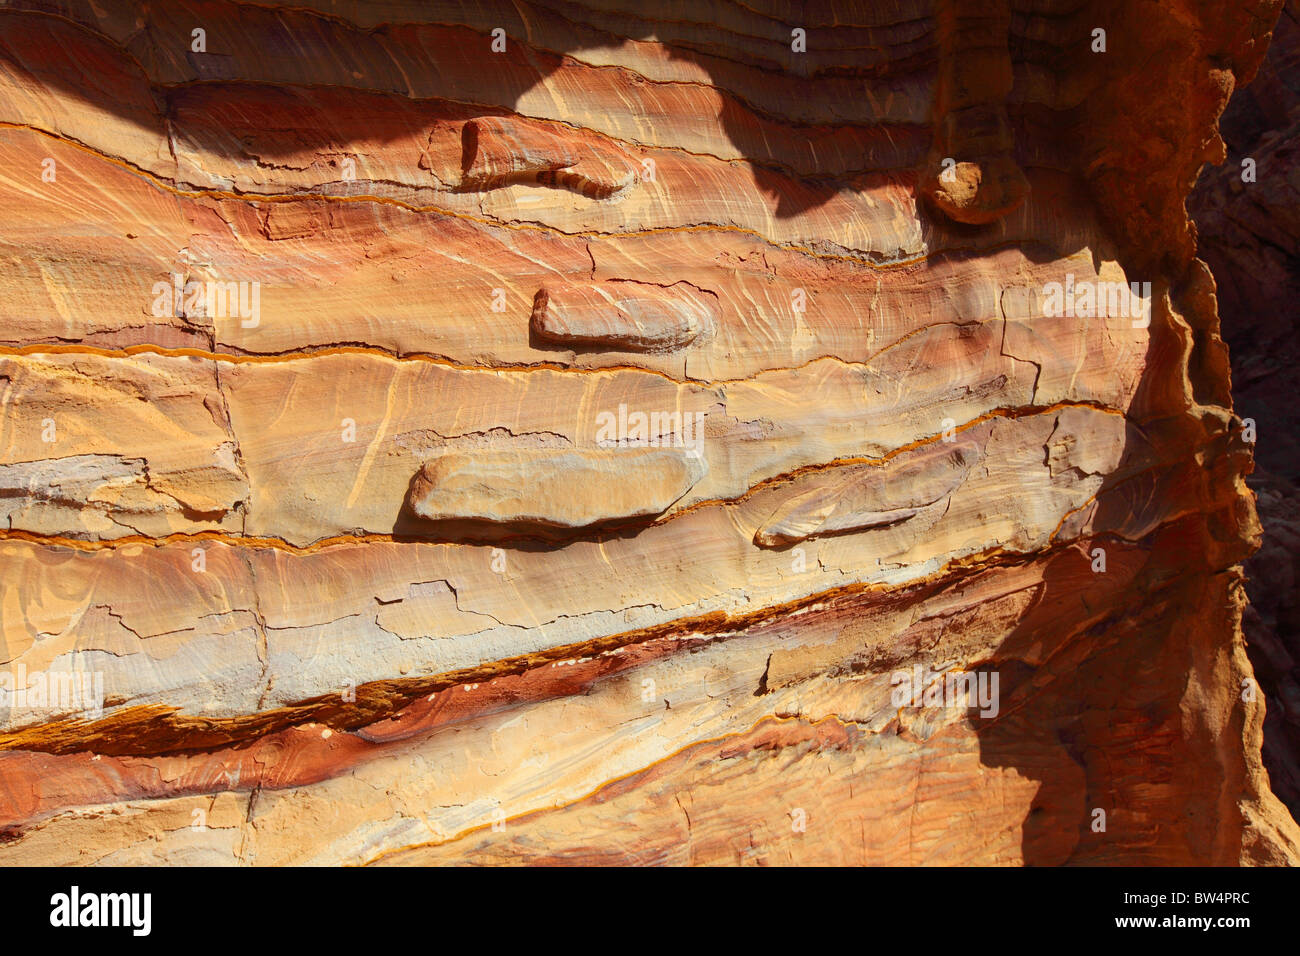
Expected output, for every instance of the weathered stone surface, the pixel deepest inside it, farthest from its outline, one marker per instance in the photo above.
(972, 176)
(1247, 215)
(156, 457)
(500, 150)
(553, 488)
(565, 454)
(877, 494)
(623, 315)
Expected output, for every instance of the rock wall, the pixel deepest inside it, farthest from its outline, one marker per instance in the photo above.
(542, 432)
(1248, 215)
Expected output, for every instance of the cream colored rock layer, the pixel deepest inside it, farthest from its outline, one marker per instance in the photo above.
(627, 369)
(326, 446)
(588, 776)
(247, 628)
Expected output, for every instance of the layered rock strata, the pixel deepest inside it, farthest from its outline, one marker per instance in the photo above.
(1247, 212)
(544, 432)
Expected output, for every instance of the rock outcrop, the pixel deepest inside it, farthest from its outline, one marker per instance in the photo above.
(622, 316)
(1247, 213)
(537, 431)
(547, 488)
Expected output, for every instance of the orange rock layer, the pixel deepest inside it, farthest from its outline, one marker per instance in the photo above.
(543, 432)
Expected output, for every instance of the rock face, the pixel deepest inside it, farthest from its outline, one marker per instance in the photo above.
(552, 488)
(621, 316)
(503, 150)
(534, 432)
(1248, 215)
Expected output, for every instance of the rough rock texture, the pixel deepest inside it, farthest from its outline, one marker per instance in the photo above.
(1248, 215)
(544, 488)
(542, 432)
(622, 316)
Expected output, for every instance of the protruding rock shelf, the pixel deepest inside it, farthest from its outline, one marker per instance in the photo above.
(549, 488)
(630, 316)
(557, 431)
(502, 150)
(874, 495)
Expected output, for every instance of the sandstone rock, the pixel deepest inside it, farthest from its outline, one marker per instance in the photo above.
(499, 150)
(553, 488)
(623, 315)
(859, 497)
(972, 175)
(1247, 215)
(566, 453)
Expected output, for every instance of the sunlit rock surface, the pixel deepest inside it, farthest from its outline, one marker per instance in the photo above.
(543, 432)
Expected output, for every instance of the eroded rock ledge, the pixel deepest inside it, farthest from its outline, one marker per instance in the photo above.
(560, 444)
